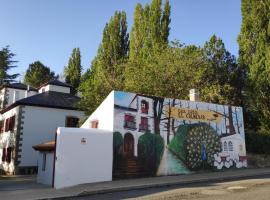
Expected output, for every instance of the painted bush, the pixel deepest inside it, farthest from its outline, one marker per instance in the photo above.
(150, 150)
(117, 140)
(196, 145)
(117, 148)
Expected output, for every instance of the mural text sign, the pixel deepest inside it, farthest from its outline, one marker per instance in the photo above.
(193, 115)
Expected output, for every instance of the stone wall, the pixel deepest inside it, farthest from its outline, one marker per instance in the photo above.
(258, 160)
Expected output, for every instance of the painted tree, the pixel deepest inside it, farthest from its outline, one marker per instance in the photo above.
(6, 64)
(37, 74)
(73, 70)
(106, 72)
(254, 54)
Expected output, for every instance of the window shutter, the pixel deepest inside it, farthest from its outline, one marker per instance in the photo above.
(4, 155)
(8, 156)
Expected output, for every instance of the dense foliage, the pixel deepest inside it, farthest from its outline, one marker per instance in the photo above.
(254, 55)
(258, 142)
(37, 74)
(106, 72)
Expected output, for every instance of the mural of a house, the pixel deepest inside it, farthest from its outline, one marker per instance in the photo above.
(162, 136)
(30, 116)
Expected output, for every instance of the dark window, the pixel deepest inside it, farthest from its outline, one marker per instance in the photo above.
(144, 126)
(4, 152)
(129, 122)
(230, 146)
(72, 122)
(1, 126)
(225, 146)
(7, 154)
(144, 106)
(8, 157)
(94, 124)
(7, 125)
(10, 124)
(44, 162)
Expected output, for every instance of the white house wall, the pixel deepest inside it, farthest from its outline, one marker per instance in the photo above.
(83, 156)
(104, 114)
(13, 95)
(8, 139)
(39, 125)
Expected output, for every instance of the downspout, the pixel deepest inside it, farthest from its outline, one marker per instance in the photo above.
(54, 159)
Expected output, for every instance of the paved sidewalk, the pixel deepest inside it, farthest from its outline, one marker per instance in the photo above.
(43, 192)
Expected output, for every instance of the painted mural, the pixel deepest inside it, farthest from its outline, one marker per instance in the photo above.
(161, 136)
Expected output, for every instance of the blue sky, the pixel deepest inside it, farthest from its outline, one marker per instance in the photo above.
(49, 30)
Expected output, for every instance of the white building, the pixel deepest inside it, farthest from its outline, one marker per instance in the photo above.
(10, 93)
(33, 119)
(75, 157)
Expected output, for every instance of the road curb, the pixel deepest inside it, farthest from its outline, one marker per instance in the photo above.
(164, 184)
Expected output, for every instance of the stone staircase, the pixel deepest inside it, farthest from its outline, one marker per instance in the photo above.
(130, 168)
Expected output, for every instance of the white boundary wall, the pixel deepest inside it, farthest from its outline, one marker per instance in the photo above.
(83, 156)
(104, 114)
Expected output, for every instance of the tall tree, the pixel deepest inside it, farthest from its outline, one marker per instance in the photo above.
(37, 74)
(107, 68)
(7, 63)
(73, 70)
(254, 54)
(225, 77)
(150, 30)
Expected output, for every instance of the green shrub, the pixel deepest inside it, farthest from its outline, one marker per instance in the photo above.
(258, 142)
(150, 150)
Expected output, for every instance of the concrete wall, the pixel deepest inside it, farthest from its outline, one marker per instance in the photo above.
(45, 176)
(13, 95)
(82, 156)
(54, 88)
(39, 125)
(104, 114)
(187, 136)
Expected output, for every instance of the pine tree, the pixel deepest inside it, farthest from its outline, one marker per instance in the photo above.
(254, 54)
(224, 76)
(6, 63)
(37, 74)
(73, 70)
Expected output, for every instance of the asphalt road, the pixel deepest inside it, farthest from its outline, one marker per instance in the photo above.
(249, 189)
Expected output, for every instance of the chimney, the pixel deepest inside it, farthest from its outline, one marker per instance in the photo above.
(194, 95)
(26, 92)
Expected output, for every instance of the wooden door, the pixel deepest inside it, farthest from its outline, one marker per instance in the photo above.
(129, 145)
